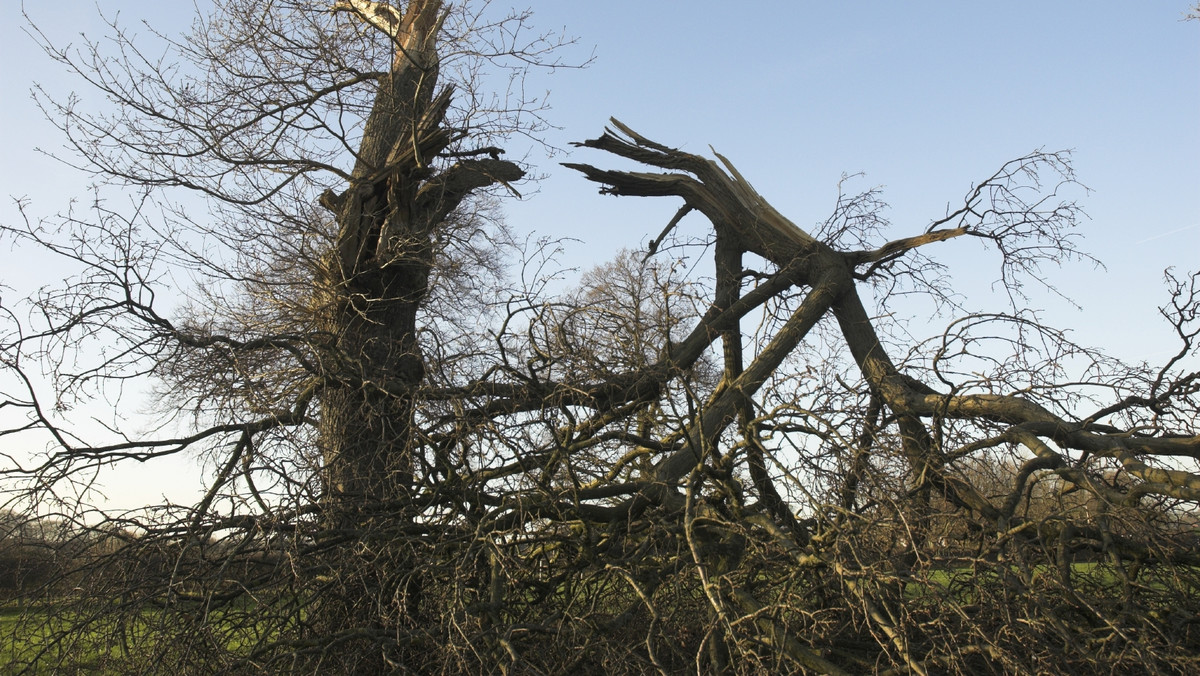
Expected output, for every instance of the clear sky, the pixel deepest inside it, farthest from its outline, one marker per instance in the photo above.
(923, 97)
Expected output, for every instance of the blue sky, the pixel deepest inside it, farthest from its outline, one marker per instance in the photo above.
(923, 97)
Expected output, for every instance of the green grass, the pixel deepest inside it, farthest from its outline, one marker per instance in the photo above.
(44, 634)
(31, 642)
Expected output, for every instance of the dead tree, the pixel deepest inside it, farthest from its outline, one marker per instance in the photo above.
(919, 426)
(416, 470)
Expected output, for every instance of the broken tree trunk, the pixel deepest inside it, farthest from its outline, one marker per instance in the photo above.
(743, 222)
(388, 220)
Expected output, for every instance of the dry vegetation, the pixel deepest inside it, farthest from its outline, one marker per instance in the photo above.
(710, 457)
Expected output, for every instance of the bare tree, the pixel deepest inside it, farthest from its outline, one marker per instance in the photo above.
(420, 465)
(940, 569)
(348, 158)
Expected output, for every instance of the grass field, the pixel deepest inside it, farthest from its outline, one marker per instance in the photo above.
(38, 639)
(26, 646)
(41, 635)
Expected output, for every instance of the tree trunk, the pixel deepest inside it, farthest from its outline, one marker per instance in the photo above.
(378, 277)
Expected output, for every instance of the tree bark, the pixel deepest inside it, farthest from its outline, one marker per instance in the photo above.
(385, 251)
(378, 276)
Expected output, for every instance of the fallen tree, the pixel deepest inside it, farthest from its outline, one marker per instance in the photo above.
(416, 470)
